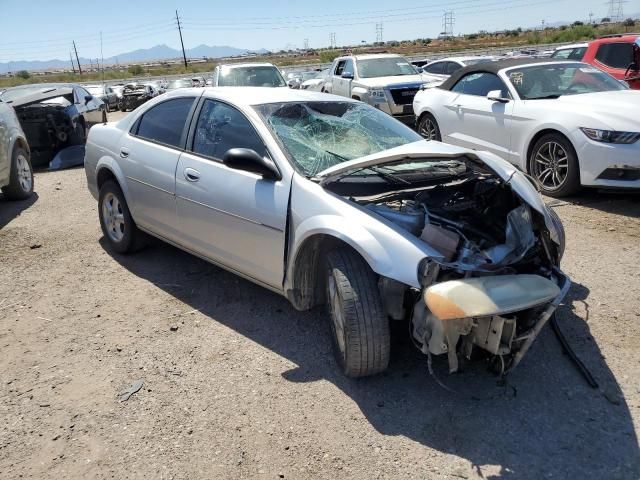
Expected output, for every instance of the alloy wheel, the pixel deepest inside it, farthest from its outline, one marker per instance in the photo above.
(113, 217)
(551, 165)
(23, 170)
(428, 129)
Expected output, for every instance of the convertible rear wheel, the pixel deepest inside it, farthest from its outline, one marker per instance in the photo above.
(20, 177)
(554, 164)
(116, 222)
(360, 327)
(428, 128)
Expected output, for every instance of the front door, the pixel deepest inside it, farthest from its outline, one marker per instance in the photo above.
(149, 156)
(233, 217)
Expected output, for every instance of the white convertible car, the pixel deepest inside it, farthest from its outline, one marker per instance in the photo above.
(566, 123)
(327, 200)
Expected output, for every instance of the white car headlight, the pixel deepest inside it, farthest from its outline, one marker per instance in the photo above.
(610, 136)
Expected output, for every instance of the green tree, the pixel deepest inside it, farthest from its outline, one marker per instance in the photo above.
(136, 70)
(23, 74)
(629, 22)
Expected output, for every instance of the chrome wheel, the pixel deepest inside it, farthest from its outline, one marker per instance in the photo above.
(428, 129)
(551, 165)
(337, 315)
(113, 217)
(24, 175)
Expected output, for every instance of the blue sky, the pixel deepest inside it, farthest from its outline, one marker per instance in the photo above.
(41, 30)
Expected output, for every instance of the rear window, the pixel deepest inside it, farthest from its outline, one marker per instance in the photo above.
(615, 55)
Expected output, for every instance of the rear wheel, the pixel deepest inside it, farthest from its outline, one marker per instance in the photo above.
(360, 327)
(554, 164)
(116, 222)
(20, 176)
(428, 128)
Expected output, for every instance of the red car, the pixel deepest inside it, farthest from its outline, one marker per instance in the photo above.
(618, 55)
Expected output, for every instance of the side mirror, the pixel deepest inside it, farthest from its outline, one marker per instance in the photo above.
(88, 98)
(347, 75)
(250, 161)
(496, 96)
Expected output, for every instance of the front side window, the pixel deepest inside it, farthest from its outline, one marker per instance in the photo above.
(554, 80)
(480, 84)
(348, 67)
(318, 135)
(220, 128)
(165, 122)
(615, 55)
(81, 93)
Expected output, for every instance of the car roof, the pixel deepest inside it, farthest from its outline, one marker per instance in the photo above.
(248, 96)
(462, 59)
(368, 56)
(573, 45)
(249, 64)
(497, 66)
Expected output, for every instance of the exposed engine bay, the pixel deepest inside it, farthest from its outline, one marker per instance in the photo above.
(495, 282)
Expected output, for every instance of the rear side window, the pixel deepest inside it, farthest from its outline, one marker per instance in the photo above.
(220, 128)
(435, 68)
(615, 55)
(165, 122)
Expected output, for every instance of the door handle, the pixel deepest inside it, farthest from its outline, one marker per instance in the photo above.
(191, 175)
(124, 152)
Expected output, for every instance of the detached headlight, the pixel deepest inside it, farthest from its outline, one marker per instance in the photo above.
(610, 136)
(377, 94)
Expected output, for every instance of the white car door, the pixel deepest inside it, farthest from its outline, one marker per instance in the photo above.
(149, 156)
(474, 121)
(235, 218)
(341, 85)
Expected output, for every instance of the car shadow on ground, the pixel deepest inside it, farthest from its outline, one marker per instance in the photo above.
(10, 209)
(624, 203)
(545, 421)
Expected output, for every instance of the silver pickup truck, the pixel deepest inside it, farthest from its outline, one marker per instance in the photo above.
(385, 81)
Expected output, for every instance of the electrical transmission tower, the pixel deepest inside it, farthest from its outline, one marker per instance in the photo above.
(332, 39)
(616, 14)
(448, 20)
(379, 29)
(306, 44)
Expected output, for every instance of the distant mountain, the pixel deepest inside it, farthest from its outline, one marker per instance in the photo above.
(159, 52)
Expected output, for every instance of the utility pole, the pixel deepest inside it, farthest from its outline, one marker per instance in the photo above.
(101, 56)
(77, 59)
(590, 18)
(73, 67)
(184, 55)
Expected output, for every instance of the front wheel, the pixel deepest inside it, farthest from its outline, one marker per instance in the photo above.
(428, 128)
(20, 176)
(360, 327)
(116, 222)
(554, 165)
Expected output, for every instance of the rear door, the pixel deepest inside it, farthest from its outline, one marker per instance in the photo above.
(233, 217)
(478, 122)
(149, 156)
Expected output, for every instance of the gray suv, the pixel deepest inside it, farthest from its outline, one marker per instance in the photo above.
(16, 175)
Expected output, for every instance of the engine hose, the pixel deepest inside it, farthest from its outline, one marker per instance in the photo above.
(582, 368)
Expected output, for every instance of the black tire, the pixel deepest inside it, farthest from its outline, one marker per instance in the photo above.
(20, 176)
(428, 127)
(363, 344)
(132, 238)
(554, 164)
(79, 134)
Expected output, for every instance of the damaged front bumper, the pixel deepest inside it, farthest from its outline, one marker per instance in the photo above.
(501, 315)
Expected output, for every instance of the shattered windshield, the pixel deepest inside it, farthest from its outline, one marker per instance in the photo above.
(319, 135)
(554, 80)
(250, 77)
(384, 67)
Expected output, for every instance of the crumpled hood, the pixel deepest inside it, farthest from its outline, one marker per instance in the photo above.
(383, 82)
(424, 149)
(617, 110)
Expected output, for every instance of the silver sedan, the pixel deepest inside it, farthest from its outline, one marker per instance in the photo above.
(16, 175)
(326, 200)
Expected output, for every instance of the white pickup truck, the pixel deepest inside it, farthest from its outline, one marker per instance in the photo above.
(385, 81)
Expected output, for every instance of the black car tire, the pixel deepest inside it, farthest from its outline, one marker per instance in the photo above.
(361, 339)
(20, 177)
(132, 238)
(428, 127)
(568, 159)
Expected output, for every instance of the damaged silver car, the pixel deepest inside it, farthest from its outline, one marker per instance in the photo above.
(329, 201)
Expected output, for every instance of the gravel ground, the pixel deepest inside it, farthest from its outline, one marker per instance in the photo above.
(239, 385)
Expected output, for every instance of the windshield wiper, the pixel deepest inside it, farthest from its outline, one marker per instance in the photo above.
(545, 97)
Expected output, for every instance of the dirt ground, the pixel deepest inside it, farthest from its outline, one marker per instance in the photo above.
(239, 385)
